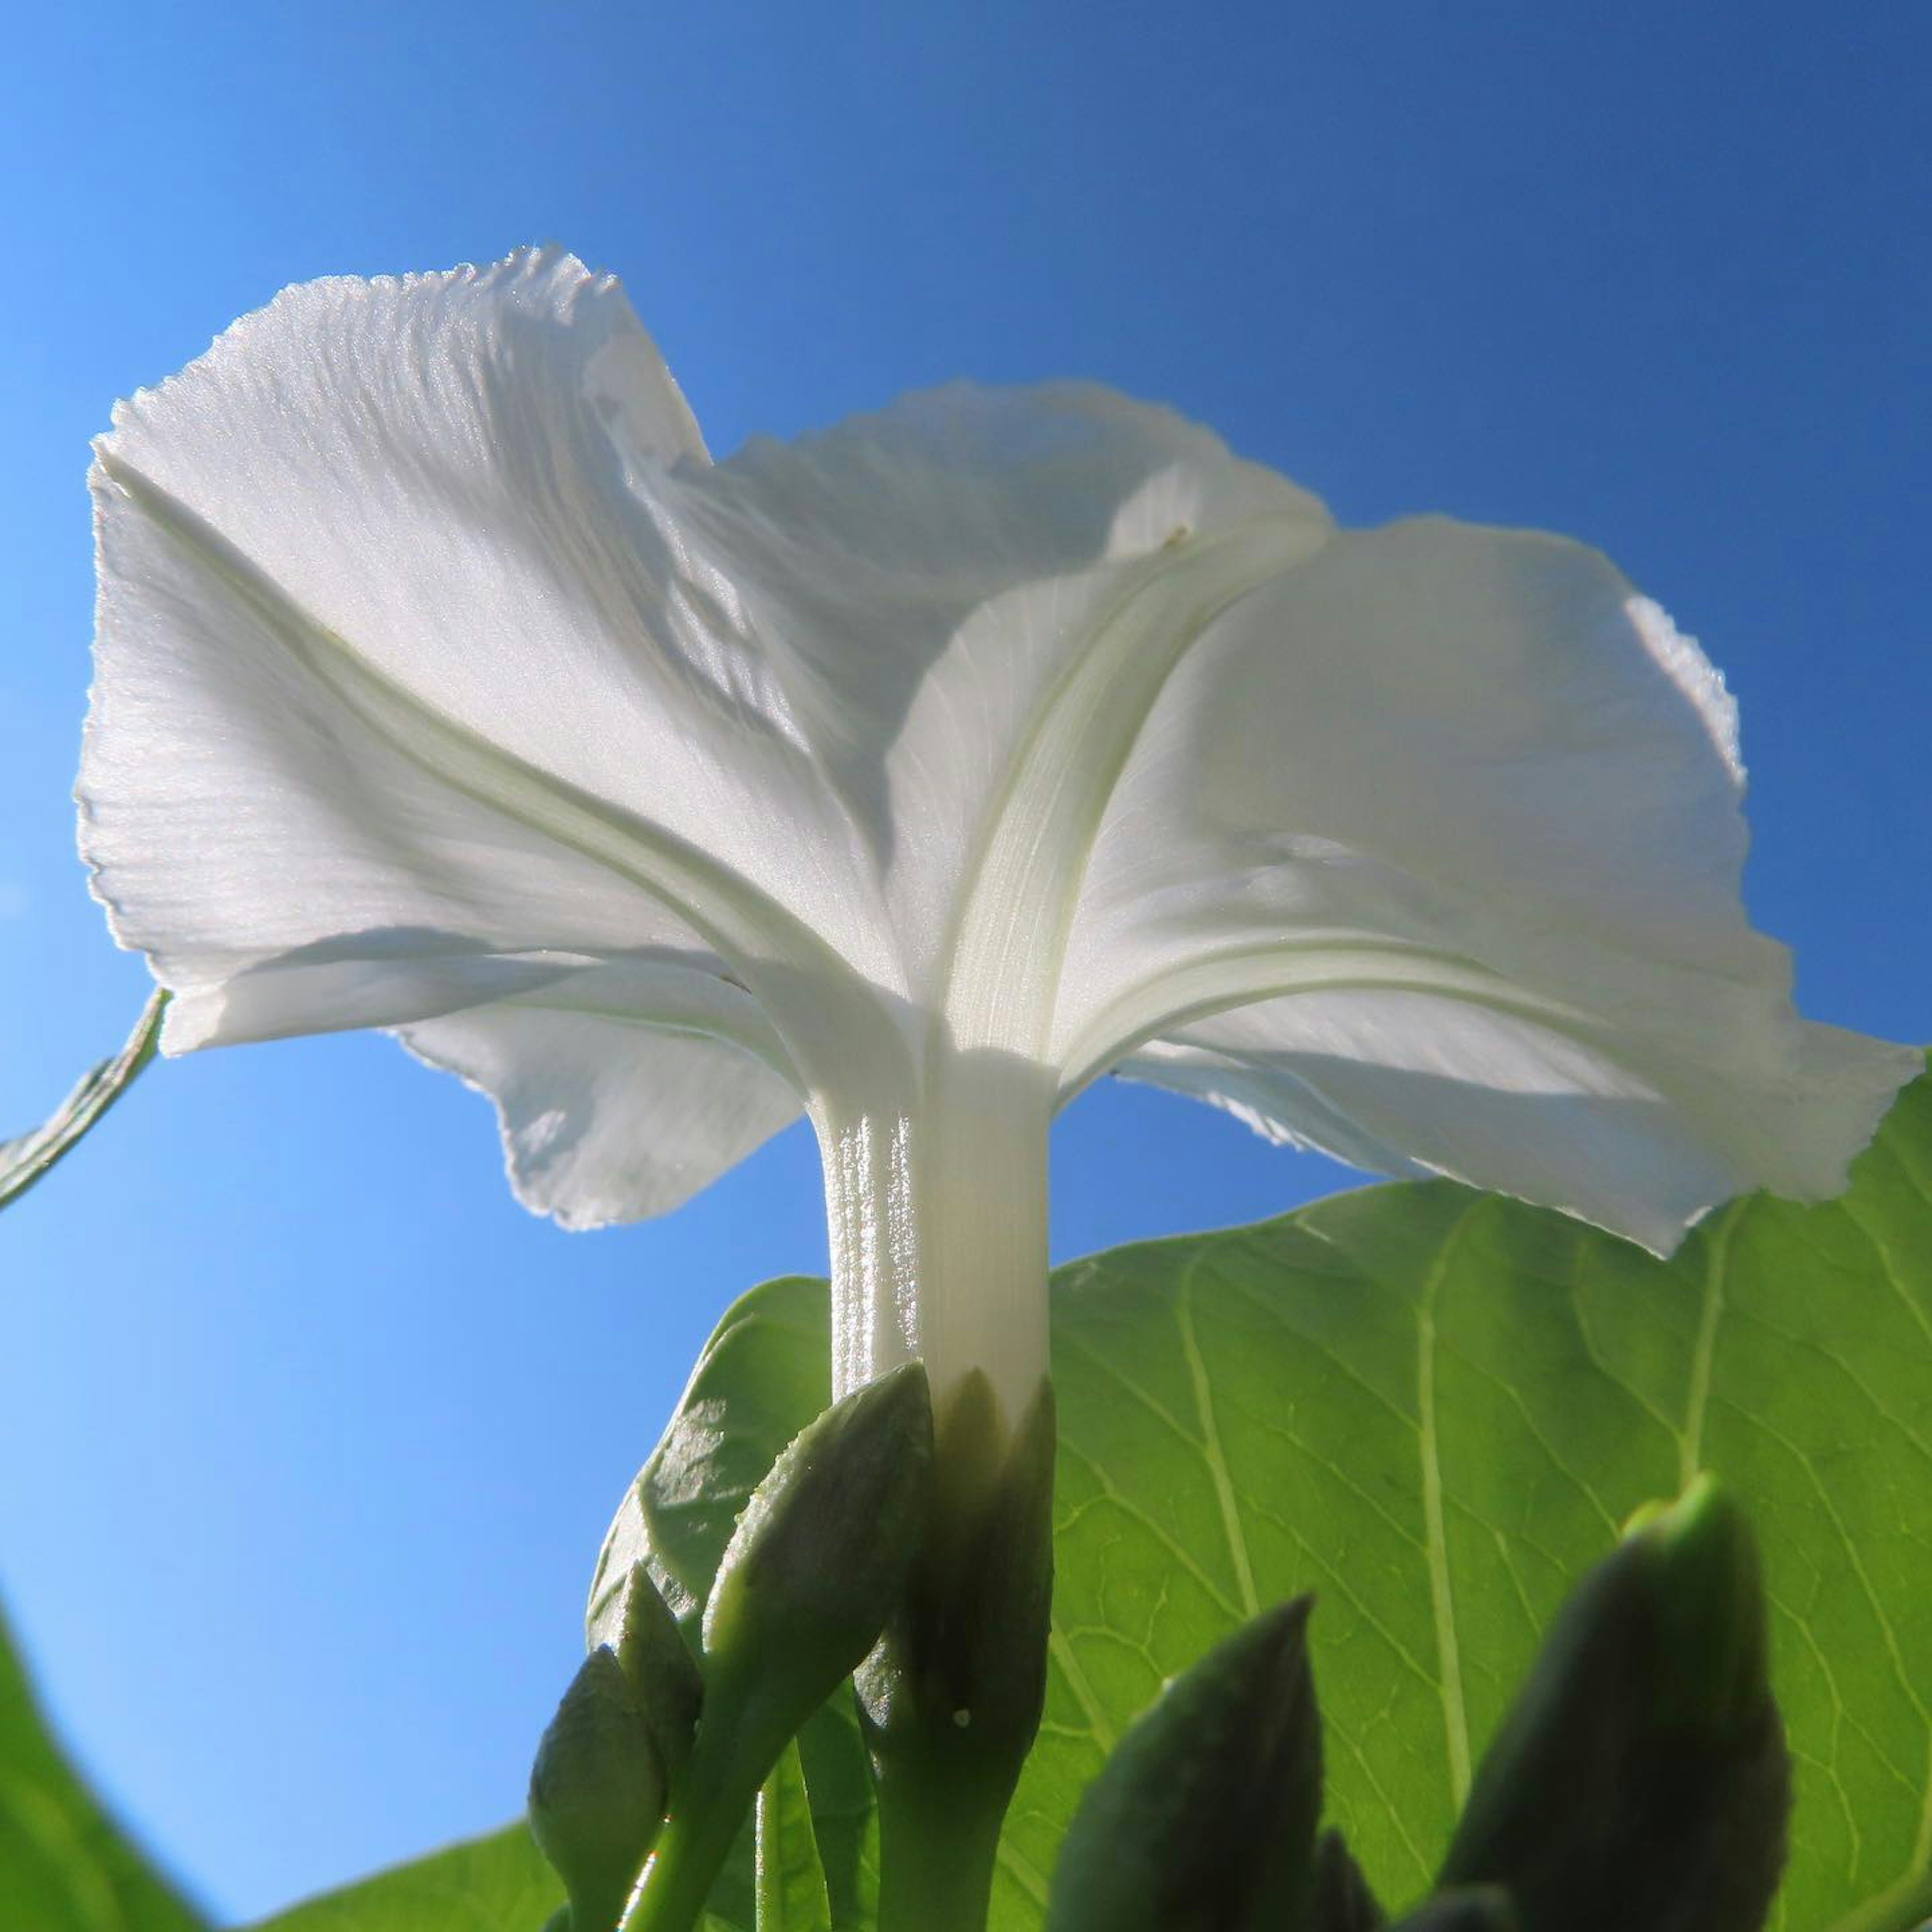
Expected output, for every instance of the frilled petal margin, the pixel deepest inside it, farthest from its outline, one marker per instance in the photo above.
(913, 774)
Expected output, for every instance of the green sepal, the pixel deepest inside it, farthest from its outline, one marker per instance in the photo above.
(1339, 1900)
(950, 1699)
(819, 1559)
(597, 1791)
(1642, 1778)
(1204, 1815)
(663, 1673)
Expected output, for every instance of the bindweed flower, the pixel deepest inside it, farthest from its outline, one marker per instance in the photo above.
(911, 775)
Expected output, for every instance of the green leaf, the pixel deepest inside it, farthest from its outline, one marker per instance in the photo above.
(23, 1161)
(64, 1865)
(791, 1891)
(500, 1883)
(1434, 1408)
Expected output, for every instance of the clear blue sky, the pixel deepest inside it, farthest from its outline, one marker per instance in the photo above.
(308, 1435)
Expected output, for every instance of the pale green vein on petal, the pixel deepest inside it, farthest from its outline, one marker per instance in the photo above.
(743, 923)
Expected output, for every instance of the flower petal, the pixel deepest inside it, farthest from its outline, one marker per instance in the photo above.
(606, 1118)
(926, 582)
(1409, 1083)
(1460, 782)
(388, 662)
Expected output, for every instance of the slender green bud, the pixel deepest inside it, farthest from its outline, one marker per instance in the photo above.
(1483, 1909)
(1203, 1817)
(818, 1563)
(1710, 1595)
(1642, 1778)
(820, 1557)
(664, 1676)
(1341, 1901)
(951, 1698)
(597, 1792)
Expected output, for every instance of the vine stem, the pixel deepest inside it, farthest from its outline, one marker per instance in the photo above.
(715, 1793)
(936, 1862)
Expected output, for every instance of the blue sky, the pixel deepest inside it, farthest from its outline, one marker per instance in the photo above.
(308, 1435)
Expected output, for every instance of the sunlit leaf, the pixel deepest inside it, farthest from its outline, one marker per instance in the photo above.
(1433, 1408)
(500, 1883)
(791, 1892)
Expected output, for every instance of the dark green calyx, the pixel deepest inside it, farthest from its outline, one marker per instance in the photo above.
(1339, 1900)
(1480, 1909)
(820, 1557)
(1642, 1778)
(663, 1674)
(1203, 1820)
(1710, 1596)
(597, 1792)
(950, 1698)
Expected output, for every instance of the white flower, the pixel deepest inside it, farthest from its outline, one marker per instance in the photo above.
(912, 775)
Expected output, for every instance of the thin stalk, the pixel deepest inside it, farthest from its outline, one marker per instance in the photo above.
(714, 1794)
(936, 1860)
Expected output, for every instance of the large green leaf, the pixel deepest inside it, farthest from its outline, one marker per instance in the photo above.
(64, 1866)
(500, 1883)
(1434, 1408)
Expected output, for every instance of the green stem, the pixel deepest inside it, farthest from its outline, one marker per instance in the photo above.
(714, 1793)
(937, 1852)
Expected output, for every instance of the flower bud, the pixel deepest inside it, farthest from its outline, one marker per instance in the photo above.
(820, 1557)
(1642, 1778)
(1341, 1901)
(597, 1792)
(1204, 1815)
(664, 1676)
(818, 1563)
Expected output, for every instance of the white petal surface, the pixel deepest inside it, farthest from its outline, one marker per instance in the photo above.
(389, 661)
(923, 581)
(1407, 1084)
(1462, 794)
(604, 1120)
(444, 684)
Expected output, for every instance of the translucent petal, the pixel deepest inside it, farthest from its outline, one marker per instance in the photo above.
(605, 1119)
(389, 665)
(925, 583)
(1640, 1144)
(1466, 788)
